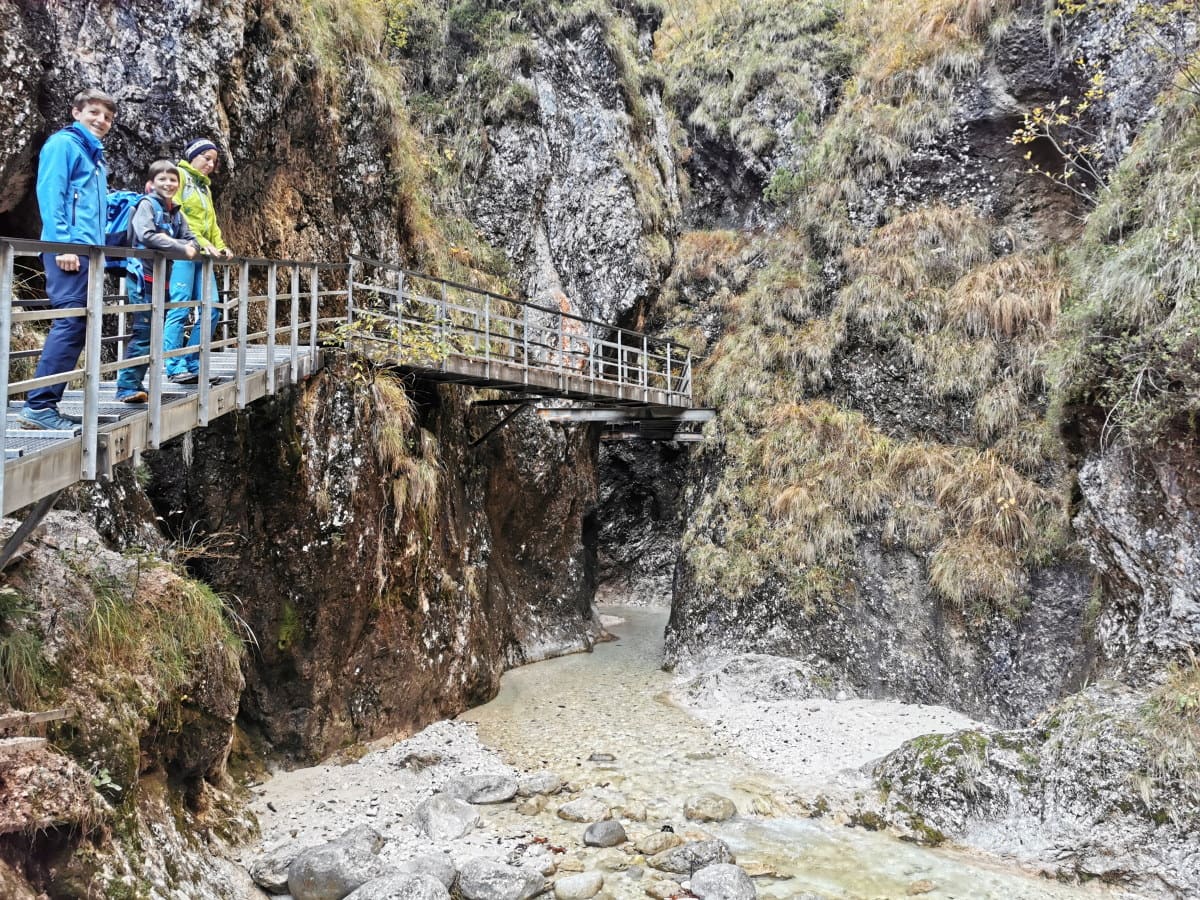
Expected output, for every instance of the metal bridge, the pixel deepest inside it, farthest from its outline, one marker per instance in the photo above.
(276, 319)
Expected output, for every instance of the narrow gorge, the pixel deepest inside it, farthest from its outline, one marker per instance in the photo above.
(918, 616)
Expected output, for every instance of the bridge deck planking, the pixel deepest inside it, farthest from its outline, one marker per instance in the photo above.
(53, 464)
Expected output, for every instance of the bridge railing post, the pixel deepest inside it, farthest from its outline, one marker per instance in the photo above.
(668, 372)
(272, 298)
(620, 366)
(208, 275)
(444, 316)
(294, 325)
(645, 373)
(400, 317)
(7, 257)
(91, 369)
(314, 309)
(487, 335)
(243, 325)
(158, 300)
(350, 292)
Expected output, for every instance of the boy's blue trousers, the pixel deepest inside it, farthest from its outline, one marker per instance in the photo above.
(132, 379)
(64, 343)
(186, 286)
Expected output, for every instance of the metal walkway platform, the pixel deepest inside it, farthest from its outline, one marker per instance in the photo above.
(275, 316)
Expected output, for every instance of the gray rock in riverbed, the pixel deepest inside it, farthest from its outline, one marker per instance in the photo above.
(402, 887)
(542, 782)
(331, 871)
(708, 808)
(607, 833)
(579, 887)
(722, 882)
(270, 871)
(446, 818)
(482, 788)
(657, 842)
(585, 809)
(692, 857)
(487, 879)
(439, 866)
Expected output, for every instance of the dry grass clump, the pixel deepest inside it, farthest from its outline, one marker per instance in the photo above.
(1133, 327)
(408, 454)
(796, 496)
(1009, 296)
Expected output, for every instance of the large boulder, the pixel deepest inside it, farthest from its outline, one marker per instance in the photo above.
(487, 879)
(709, 808)
(541, 782)
(606, 833)
(402, 887)
(270, 871)
(332, 871)
(446, 818)
(691, 857)
(722, 882)
(498, 788)
(440, 866)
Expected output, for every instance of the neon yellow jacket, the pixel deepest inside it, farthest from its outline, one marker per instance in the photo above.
(195, 199)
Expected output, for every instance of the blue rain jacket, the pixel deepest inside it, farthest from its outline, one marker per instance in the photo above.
(72, 187)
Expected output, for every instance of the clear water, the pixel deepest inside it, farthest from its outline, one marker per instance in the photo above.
(555, 714)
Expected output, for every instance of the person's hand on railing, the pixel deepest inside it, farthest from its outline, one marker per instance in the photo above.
(68, 262)
(191, 252)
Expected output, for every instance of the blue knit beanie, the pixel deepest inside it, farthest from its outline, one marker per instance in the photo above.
(197, 146)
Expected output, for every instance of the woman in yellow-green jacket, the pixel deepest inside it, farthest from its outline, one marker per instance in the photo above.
(195, 199)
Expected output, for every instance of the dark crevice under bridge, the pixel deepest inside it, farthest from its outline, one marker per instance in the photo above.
(277, 317)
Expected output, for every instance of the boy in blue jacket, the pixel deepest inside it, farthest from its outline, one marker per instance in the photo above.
(72, 189)
(158, 224)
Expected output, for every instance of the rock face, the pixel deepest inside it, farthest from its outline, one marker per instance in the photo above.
(1139, 523)
(491, 573)
(1060, 795)
(565, 190)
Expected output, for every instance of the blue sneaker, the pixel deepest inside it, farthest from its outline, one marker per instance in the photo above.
(132, 395)
(47, 420)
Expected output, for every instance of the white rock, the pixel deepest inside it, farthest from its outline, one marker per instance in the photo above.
(579, 887)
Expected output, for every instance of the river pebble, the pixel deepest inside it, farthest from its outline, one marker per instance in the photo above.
(585, 809)
(657, 842)
(579, 887)
(607, 833)
(708, 808)
(722, 882)
(543, 782)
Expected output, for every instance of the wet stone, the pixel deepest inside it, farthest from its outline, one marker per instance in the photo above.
(446, 818)
(402, 887)
(691, 857)
(709, 808)
(585, 809)
(602, 758)
(543, 782)
(331, 871)
(439, 866)
(483, 788)
(579, 887)
(486, 879)
(607, 833)
(722, 882)
(663, 890)
(657, 842)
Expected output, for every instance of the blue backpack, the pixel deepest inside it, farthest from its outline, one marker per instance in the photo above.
(117, 230)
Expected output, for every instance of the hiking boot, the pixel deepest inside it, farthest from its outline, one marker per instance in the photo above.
(49, 419)
(217, 379)
(133, 395)
(184, 378)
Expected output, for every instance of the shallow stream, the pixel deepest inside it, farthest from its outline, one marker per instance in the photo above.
(556, 714)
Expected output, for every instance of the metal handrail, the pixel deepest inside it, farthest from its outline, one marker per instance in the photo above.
(548, 349)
